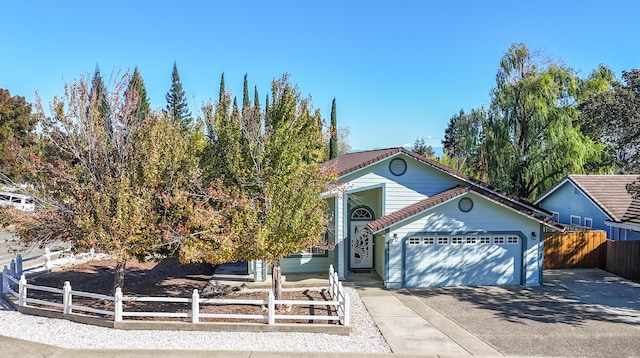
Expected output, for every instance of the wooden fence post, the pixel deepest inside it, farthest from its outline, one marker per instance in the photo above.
(22, 289)
(66, 298)
(195, 307)
(271, 309)
(117, 305)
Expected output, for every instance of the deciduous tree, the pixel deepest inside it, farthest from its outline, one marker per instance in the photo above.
(612, 117)
(273, 173)
(113, 179)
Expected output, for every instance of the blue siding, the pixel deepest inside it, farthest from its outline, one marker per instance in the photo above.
(485, 216)
(307, 263)
(568, 200)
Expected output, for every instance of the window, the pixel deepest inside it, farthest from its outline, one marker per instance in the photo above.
(555, 216)
(485, 239)
(5, 197)
(465, 205)
(471, 239)
(575, 220)
(498, 240)
(397, 166)
(443, 240)
(414, 241)
(312, 251)
(361, 213)
(588, 222)
(15, 199)
(512, 240)
(457, 240)
(428, 240)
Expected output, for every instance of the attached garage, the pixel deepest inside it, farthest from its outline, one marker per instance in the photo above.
(463, 260)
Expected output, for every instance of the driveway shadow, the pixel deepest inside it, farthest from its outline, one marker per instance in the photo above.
(567, 296)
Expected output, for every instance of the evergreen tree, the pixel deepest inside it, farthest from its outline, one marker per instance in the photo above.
(333, 132)
(17, 130)
(177, 107)
(136, 95)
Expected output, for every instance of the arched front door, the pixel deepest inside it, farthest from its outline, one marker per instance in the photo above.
(361, 239)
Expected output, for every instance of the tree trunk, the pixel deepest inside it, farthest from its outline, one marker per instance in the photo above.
(118, 279)
(276, 280)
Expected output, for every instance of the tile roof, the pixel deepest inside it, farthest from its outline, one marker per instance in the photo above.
(351, 162)
(632, 216)
(609, 192)
(416, 208)
(428, 203)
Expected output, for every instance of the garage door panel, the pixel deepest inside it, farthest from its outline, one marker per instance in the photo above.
(462, 265)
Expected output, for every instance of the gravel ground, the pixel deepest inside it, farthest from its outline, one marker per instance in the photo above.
(364, 337)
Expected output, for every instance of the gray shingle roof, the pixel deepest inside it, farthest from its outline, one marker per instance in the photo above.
(609, 192)
(632, 216)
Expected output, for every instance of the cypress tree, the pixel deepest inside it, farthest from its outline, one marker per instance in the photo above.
(333, 129)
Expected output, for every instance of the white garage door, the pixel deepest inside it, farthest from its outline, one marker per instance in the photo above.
(463, 260)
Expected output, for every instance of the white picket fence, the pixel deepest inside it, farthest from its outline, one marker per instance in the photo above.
(49, 260)
(338, 299)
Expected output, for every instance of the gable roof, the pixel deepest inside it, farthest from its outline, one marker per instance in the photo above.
(434, 200)
(632, 216)
(352, 162)
(608, 192)
(416, 208)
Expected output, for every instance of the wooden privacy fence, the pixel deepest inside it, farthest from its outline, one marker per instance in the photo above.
(623, 258)
(573, 249)
(116, 309)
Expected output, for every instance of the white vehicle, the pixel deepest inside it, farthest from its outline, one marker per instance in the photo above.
(19, 201)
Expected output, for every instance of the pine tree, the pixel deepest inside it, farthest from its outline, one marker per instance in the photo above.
(177, 107)
(137, 92)
(333, 129)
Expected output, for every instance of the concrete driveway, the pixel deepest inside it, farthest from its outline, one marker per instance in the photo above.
(586, 312)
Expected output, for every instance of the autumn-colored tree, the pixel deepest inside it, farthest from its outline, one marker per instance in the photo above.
(267, 161)
(113, 179)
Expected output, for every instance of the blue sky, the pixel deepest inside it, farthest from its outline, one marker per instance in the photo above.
(398, 69)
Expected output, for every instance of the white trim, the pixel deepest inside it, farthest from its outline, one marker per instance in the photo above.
(571, 217)
(374, 163)
(417, 214)
(585, 222)
(462, 195)
(553, 189)
(613, 224)
(467, 181)
(584, 194)
(557, 214)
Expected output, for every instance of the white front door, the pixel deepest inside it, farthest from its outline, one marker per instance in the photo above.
(361, 245)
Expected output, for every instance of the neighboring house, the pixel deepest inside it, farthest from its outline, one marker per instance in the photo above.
(418, 223)
(595, 201)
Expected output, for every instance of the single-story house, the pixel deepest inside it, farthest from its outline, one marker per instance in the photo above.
(418, 223)
(595, 201)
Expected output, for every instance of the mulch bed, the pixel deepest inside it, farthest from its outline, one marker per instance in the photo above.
(169, 278)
